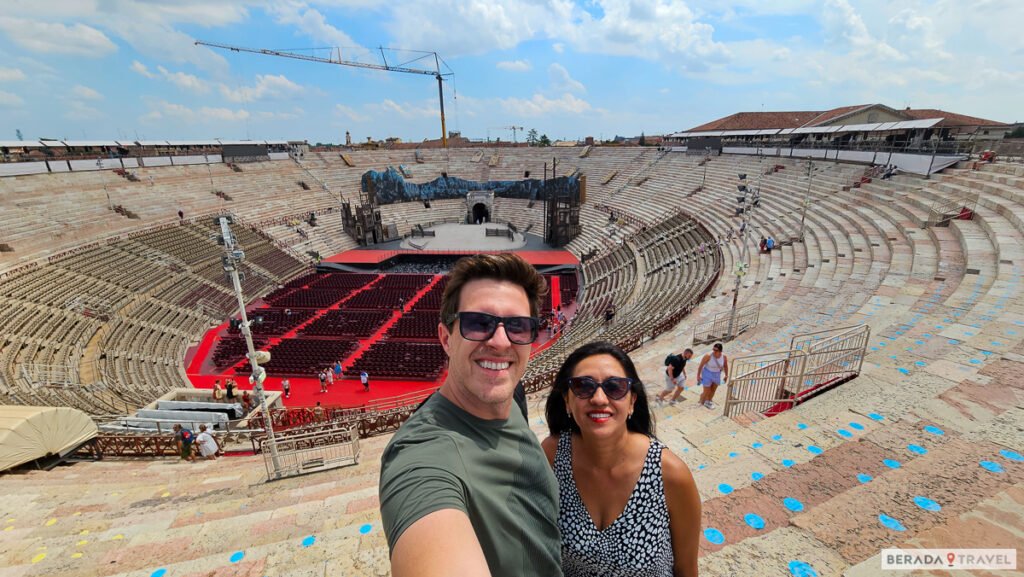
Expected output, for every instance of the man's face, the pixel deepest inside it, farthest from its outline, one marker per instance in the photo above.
(688, 355)
(482, 375)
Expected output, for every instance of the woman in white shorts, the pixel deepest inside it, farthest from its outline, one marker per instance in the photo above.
(713, 370)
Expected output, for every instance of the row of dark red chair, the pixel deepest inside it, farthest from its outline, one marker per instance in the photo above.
(347, 323)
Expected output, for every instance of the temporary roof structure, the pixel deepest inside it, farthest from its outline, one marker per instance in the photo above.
(30, 433)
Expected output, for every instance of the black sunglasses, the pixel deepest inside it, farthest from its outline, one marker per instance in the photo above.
(475, 326)
(615, 388)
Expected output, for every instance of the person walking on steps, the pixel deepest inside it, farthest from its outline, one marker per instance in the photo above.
(712, 372)
(675, 375)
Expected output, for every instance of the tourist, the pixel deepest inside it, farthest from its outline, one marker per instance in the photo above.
(329, 374)
(364, 378)
(218, 392)
(231, 390)
(323, 380)
(286, 386)
(675, 375)
(464, 487)
(246, 402)
(627, 505)
(318, 412)
(337, 372)
(712, 371)
(208, 446)
(183, 440)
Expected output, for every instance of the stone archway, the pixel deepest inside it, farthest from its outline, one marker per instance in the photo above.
(480, 213)
(479, 206)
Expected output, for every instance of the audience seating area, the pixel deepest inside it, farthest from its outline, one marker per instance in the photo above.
(934, 416)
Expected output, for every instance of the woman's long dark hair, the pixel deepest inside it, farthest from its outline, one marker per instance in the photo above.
(642, 420)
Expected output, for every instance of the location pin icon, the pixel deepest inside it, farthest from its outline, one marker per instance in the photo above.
(950, 557)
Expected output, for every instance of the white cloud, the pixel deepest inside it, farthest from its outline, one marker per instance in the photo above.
(350, 113)
(558, 47)
(310, 22)
(562, 81)
(161, 109)
(141, 69)
(8, 100)
(55, 38)
(845, 27)
(78, 111)
(406, 110)
(86, 92)
(11, 75)
(294, 114)
(540, 105)
(515, 65)
(267, 87)
(185, 81)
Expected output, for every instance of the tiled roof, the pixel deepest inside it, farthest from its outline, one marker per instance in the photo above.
(795, 119)
(835, 113)
(752, 120)
(950, 118)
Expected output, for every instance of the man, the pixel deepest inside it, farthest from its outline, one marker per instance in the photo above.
(318, 412)
(323, 380)
(675, 375)
(712, 372)
(286, 386)
(364, 378)
(183, 439)
(465, 488)
(208, 445)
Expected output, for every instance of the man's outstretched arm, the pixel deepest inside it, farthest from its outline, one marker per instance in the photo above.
(439, 544)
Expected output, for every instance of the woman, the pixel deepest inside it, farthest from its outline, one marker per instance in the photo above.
(712, 371)
(627, 505)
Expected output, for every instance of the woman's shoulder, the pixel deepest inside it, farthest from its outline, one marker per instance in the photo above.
(674, 470)
(550, 446)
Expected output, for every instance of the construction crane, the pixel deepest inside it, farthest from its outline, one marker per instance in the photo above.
(512, 128)
(332, 59)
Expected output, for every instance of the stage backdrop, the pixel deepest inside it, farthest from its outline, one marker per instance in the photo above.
(390, 187)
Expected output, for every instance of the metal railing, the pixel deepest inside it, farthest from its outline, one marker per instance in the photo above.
(717, 329)
(946, 209)
(777, 381)
(309, 453)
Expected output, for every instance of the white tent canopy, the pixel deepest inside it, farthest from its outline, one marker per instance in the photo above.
(30, 433)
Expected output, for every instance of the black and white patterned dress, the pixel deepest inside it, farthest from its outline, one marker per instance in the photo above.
(637, 544)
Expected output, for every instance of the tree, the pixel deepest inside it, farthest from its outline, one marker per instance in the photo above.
(544, 140)
(1017, 133)
(643, 140)
(531, 137)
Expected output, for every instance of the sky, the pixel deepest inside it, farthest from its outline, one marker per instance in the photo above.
(124, 69)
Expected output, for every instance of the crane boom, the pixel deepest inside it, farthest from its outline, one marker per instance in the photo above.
(436, 73)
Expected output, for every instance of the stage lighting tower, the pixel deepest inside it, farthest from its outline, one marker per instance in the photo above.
(232, 259)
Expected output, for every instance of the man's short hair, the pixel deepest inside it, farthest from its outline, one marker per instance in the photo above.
(502, 267)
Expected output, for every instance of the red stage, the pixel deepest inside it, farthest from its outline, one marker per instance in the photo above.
(534, 257)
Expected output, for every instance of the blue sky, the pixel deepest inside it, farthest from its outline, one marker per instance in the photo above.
(110, 69)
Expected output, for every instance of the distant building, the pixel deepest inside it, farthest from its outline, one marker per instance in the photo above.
(847, 124)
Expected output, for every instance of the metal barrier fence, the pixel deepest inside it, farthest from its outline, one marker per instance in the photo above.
(944, 210)
(773, 382)
(717, 329)
(312, 452)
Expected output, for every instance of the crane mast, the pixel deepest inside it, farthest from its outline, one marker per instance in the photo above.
(436, 73)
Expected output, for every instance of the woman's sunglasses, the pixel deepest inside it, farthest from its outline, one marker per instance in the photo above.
(475, 326)
(615, 388)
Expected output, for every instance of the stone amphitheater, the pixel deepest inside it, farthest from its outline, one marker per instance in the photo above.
(921, 450)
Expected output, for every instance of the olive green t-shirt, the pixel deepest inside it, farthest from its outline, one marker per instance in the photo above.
(493, 470)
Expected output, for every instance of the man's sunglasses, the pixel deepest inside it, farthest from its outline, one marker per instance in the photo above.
(475, 326)
(615, 388)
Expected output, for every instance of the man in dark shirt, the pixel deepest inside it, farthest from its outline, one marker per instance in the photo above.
(675, 375)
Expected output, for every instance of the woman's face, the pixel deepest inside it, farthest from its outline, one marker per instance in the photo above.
(600, 415)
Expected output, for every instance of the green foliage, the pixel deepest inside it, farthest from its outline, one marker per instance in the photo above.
(1017, 132)
(544, 140)
(531, 137)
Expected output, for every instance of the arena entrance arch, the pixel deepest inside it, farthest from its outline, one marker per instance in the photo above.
(479, 207)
